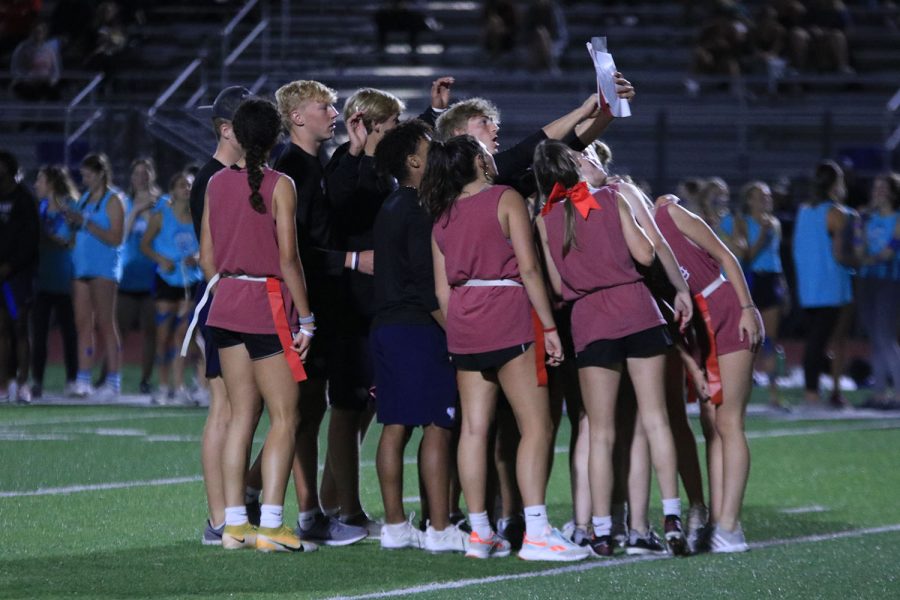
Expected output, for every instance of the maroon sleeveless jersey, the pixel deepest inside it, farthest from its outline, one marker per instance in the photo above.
(245, 242)
(481, 319)
(599, 276)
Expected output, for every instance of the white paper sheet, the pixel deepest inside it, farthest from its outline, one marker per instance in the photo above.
(605, 69)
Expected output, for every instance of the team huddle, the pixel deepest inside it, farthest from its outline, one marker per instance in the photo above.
(427, 275)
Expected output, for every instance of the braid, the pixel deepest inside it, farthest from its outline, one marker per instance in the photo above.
(256, 157)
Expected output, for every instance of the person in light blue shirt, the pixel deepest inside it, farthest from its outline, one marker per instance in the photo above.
(171, 243)
(823, 283)
(879, 286)
(57, 195)
(99, 222)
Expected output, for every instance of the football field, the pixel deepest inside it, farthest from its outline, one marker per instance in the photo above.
(108, 502)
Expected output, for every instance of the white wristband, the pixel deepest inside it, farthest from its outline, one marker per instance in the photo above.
(306, 332)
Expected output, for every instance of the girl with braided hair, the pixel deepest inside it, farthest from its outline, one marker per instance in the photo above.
(249, 246)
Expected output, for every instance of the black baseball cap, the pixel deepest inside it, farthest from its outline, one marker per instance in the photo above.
(226, 103)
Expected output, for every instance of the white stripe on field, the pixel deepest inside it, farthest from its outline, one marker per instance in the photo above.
(615, 562)
(90, 419)
(71, 489)
(802, 510)
(407, 461)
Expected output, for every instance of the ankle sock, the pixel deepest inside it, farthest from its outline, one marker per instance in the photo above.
(271, 515)
(236, 515)
(602, 525)
(671, 506)
(480, 524)
(536, 522)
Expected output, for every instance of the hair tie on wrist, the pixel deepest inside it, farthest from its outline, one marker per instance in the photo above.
(307, 332)
(549, 329)
(306, 320)
(354, 261)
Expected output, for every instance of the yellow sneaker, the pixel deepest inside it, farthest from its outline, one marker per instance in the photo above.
(281, 539)
(236, 537)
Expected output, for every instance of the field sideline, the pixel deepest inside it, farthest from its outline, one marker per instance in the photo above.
(107, 502)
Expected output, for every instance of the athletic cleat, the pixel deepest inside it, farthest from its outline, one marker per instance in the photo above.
(647, 544)
(493, 547)
(698, 516)
(212, 536)
(512, 530)
(401, 535)
(552, 546)
(363, 520)
(602, 546)
(675, 538)
(81, 389)
(235, 537)
(330, 531)
(254, 511)
(281, 539)
(451, 539)
(728, 541)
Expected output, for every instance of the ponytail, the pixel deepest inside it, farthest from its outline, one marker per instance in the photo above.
(554, 163)
(450, 167)
(255, 158)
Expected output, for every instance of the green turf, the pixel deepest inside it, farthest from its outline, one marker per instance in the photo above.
(142, 541)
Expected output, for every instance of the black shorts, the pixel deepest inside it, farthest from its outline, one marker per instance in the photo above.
(167, 293)
(486, 361)
(612, 353)
(259, 345)
(768, 290)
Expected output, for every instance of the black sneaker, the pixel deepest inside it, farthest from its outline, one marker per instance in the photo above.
(675, 536)
(253, 512)
(648, 543)
(603, 545)
(513, 532)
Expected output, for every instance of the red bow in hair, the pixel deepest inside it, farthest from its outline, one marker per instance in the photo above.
(579, 195)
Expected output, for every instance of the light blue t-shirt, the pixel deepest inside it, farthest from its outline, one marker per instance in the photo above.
(92, 257)
(137, 268)
(821, 281)
(879, 231)
(177, 241)
(55, 267)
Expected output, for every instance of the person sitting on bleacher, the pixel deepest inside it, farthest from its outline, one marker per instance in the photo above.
(36, 66)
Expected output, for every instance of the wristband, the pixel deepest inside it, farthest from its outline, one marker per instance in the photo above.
(354, 261)
(307, 320)
(746, 306)
(308, 333)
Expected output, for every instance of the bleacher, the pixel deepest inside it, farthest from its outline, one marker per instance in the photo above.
(734, 129)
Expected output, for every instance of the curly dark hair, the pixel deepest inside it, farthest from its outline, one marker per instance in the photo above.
(397, 145)
(257, 126)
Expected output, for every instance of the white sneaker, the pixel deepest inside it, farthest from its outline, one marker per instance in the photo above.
(491, 547)
(81, 389)
(401, 535)
(161, 396)
(69, 389)
(451, 539)
(23, 394)
(182, 397)
(106, 393)
(728, 541)
(568, 530)
(552, 546)
(201, 396)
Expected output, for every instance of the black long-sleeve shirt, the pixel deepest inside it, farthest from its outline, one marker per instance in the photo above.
(19, 230)
(514, 164)
(404, 275)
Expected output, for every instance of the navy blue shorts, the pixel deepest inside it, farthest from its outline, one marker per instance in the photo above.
(768, 290)
(211, 348)
(415, 382)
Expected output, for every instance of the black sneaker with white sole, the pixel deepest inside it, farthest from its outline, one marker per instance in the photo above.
(675, 538)
(646, 544)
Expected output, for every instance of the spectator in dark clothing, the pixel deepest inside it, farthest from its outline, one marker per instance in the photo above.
(545, 27)
(500, 23)
(19, 237)
(397, 15)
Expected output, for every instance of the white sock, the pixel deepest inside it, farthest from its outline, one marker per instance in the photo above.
(251, 495)
(235, 515)
(536, 522)
(396, 528)
(602, 525)
(481, 525)
(306, 519)
(271, 515)
(672, 506)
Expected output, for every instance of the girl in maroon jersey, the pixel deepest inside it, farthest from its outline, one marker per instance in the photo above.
(488, 282)
(592, 242)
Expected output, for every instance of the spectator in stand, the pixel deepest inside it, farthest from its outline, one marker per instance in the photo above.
(135, 300)
(828, 24)
(170, 242)
(792, 15)
(100, 222)
(36, 66)
(397, 15)
(57, 195)
(823, 282)
(19, 228)
(879, 288)
(501, 28)
(111, 39)
(545, 28)
(722, 44)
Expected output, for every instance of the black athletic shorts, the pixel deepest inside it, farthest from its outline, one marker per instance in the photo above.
(612, 353)
(486, 361)
(259, 345)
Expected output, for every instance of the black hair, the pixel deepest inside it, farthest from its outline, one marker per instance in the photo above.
(257, 126)
(827, 174)
(555, 163)
(10, 162)
(450, 166)
(396, 145)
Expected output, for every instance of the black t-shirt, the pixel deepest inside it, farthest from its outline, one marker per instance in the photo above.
(404, 274)
(198, 191)
(19, 230)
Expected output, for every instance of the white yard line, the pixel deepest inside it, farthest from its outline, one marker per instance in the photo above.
(91, 419)
(412, 460)
(592, 564)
